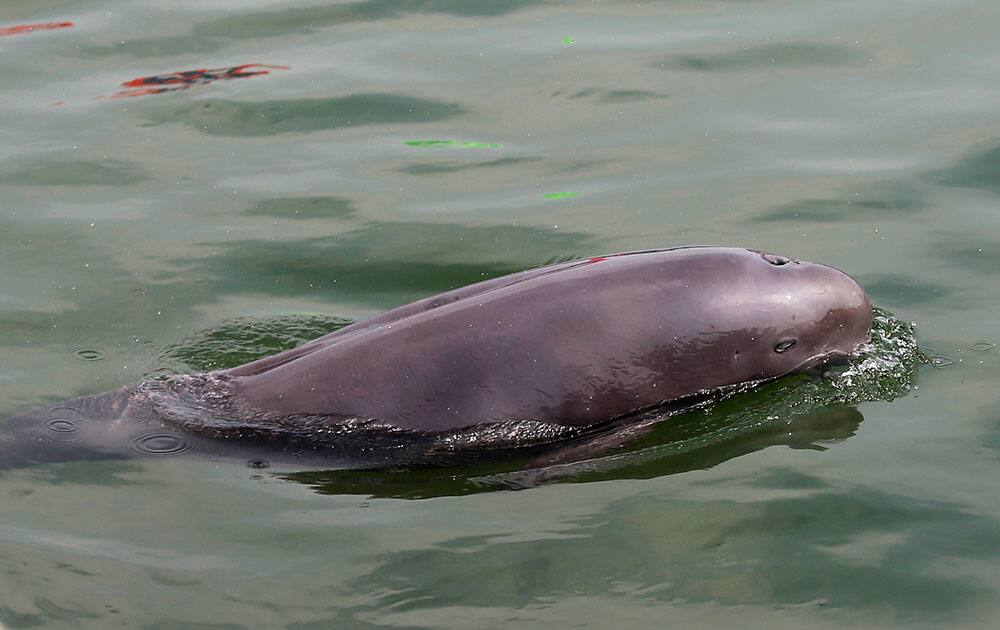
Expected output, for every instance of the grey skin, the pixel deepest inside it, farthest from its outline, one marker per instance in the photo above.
(571, 346)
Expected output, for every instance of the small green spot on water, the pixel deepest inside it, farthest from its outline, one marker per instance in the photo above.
(568, 40)
(560, 195)
(453, 143)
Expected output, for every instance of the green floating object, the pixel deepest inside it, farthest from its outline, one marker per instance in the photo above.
(560, 195)
(453, 143)
(568, 40)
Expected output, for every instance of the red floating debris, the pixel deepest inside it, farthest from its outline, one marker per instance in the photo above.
(29, 28)
(184, 79)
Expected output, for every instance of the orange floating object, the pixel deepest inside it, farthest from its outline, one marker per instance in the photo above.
(30, 28)
(183, 79)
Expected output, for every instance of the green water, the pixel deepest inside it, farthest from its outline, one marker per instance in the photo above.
(417, 145)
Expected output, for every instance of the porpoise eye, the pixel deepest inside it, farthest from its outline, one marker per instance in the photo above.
(776, 260)
(784, 345)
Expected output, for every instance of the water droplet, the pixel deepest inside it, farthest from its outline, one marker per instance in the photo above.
(61, 430)
(941, 361)
(163, 373)
(159, 444)
(983, 346)
(85, 354)
(63, 424)
(784, 345)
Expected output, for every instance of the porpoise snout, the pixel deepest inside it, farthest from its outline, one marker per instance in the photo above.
(843, 310)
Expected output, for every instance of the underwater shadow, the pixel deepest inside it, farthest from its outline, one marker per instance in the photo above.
(223, 117)
(695, 440)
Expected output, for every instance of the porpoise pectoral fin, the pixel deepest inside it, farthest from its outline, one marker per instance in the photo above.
(572, 459)
(594, 447)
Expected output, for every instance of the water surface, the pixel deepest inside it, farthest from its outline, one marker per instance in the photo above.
(860, 134)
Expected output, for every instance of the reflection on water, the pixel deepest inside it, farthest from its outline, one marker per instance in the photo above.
(765, 56)
(612, 96)
(978, 254)
(304, 208)
(400, 259)
(885, 201)
(679, 444)
(437, 167)
(841, 548)
(73, 173)
(902, 291)
(268, 118)
(212, 35)
(977, 170)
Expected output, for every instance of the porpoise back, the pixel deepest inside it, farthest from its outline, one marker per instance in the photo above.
(572, 344)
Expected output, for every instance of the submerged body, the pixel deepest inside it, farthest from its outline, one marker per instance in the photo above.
(570, 346)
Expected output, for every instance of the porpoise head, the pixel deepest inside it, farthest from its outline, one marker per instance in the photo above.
(804, 314)
(96, 427)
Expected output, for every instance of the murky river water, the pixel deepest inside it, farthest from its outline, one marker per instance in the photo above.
(390, 149)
